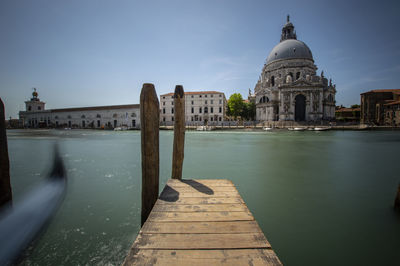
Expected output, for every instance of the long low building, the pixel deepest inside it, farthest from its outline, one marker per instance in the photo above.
(112, 116)
(201, 108)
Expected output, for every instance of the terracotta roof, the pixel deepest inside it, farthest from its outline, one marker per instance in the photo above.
(344, 109)
(193, 93)
(393, 103)
(93, 108)
(396, 91)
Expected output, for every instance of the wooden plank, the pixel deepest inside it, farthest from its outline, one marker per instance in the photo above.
(169, 194)
(201, 227)
(201, 241)
(203, 257)
(198, 189)
(197, 182)
(199, 208)
(202, 200)
(200, 216)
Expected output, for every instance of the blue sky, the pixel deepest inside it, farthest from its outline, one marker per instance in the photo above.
(98, 52)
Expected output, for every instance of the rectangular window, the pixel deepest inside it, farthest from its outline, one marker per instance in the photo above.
(212, 102)
(163, 119)
(200, 95)
(192, 110)
(98, 123)
(172, 110)
(220, 109)
(163, 103)
(219, 118)
(163, 97)
(212, 110)
(172, 118)
(172, 103)
(133, 123)
(205, 95)
(163, 110)
(200, 118)
(192, 102)
(206, 102)
(192, 96)
(220, 95)
(212, 95)
(220, 101)
(211, 119)
(192, 118)
(200, 110)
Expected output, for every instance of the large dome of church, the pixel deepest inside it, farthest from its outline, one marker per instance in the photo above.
(290, 49)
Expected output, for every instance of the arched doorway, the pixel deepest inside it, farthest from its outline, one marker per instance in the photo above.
(300, 108)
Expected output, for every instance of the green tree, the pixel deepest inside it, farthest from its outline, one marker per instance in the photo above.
(251, 110)
(235, 105)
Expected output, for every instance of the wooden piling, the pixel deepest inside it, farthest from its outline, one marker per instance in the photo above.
(149, 120)
(5, 185)
(179, 132)
(397, 199)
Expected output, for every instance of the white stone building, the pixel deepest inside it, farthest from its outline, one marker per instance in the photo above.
(113, 116)
(201, 108)
(289, 88)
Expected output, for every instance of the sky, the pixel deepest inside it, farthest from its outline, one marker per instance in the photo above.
(100, 52)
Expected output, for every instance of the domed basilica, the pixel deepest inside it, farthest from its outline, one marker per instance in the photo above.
(289, 88)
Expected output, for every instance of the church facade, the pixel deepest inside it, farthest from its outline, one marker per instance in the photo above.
(289, 88)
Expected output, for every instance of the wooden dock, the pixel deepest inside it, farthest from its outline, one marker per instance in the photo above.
(201, 222)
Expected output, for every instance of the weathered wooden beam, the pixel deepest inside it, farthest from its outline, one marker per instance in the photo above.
(179, 132)
(5, 185)
(397, 199)
(149, 121)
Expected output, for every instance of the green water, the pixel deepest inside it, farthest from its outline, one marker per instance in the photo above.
(321, 198)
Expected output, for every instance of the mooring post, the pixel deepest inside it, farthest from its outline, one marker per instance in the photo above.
(179, 132)
(5, 185)
(397, 199)
(150, 121)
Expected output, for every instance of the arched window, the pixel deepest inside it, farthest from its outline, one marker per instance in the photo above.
(297, 75)
(272, 81)
(206, 110)
(264, 99)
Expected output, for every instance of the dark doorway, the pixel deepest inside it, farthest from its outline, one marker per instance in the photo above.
(83, 123)
(300, 108)
(115, 123)
(133, 123)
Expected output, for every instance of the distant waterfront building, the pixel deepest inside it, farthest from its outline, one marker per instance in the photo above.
(289, 88)
(351, 114)
(35, 115)
(381, 107)
(201, 108)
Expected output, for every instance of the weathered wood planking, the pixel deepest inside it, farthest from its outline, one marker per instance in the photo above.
(201, 222)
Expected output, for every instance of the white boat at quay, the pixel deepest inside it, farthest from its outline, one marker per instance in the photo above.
(297, 128)
(267, 128)
(204, 128)
(322, 128)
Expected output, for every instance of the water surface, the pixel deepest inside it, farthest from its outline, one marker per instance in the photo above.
(321, 198)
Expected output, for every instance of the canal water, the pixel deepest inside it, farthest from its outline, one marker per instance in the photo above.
(321, 198)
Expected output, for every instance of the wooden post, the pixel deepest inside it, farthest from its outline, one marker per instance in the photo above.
(150, 121)
(5, 185)
(179, 132)
(397, 200)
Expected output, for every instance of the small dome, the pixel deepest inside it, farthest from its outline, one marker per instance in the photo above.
(290, 49)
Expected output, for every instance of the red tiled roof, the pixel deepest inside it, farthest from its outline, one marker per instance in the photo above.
(93, 108)
(393, 103)
(344, 109)
(396, 91)
(193, 93)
